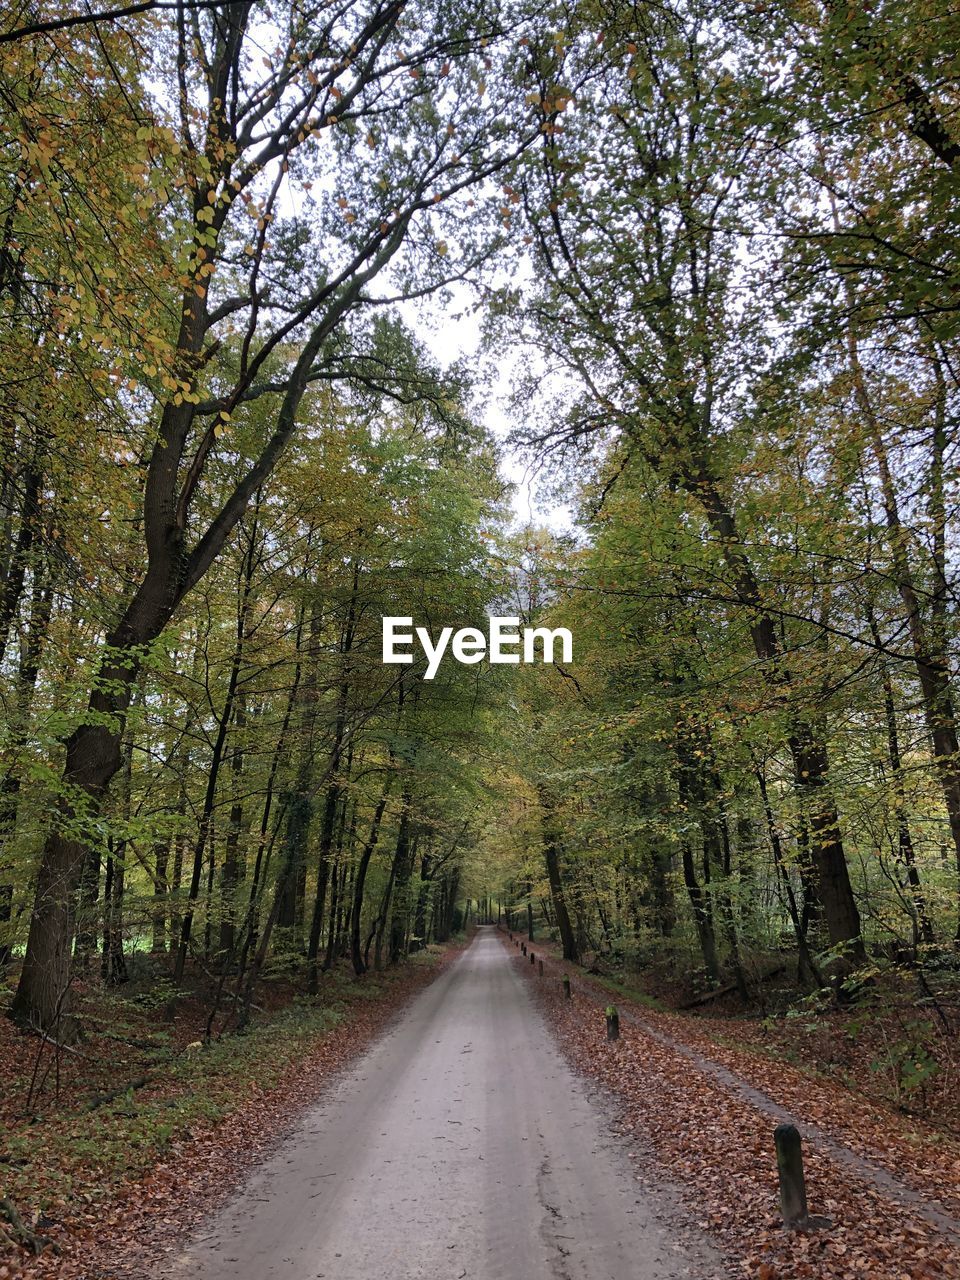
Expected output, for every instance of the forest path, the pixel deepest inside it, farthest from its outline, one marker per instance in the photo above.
(461, 1147)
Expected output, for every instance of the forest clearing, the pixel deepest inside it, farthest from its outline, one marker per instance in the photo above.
(478, 606)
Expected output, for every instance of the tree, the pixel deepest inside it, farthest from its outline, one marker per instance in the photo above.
(245, 330)
(642, 306)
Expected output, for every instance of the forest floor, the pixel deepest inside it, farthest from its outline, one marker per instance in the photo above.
(706, 1096)
(897, 1043)
(139, 1130)
(142, 1137)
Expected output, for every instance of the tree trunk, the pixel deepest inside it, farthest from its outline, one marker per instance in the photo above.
(41, 597)
(691, 791)
(334, 786)
(929, 649)
(551, 856)
(922, 925)
(702, 914)
(932, 663)
(87, 908)
(13, 579)
(356, 950)
(93, 756)
(720, 838)
(807, 971)
(664, 907)
(114, 966)
(264, 848)
(449, 887)
(807, 750)
(402, 868)
(230, 874)
(179, 846)
(161, 857)
(347, 838)
(328, 822)
(290, 910)
(423, 898)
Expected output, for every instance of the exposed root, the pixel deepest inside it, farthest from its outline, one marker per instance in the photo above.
(22, 1235)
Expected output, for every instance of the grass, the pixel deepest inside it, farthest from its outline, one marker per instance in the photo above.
(124, 1137)
(623, 987)
(73, 1153)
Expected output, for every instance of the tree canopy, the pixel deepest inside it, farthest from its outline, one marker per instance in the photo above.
(712, 248)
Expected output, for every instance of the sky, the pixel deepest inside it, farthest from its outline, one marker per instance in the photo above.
(453, 333)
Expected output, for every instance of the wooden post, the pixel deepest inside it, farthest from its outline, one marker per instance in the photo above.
(523, 949)
(566, 986)
(613, 1022)
(533, 958)
(793, 1190)
(541, 968)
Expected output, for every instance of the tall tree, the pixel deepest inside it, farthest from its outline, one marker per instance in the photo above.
(245, 332)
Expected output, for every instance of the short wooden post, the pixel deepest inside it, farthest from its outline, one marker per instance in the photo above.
(541, 968)
(793, 1190)
(533, 958)
(566, 986)
(523, 948)
(613, 1022)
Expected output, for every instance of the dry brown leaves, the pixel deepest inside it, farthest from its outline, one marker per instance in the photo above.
(719, 1147)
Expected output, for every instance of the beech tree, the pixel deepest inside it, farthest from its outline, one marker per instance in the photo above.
(393, 115)
(744, 344)
(642, 307)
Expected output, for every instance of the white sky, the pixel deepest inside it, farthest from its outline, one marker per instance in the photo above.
(451, 334)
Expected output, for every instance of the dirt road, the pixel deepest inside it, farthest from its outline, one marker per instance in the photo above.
(461, 1147)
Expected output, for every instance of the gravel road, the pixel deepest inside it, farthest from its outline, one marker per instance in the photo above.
(461, 1147)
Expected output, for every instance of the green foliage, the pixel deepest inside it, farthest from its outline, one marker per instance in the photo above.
(722, 241)
(908, 1064)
